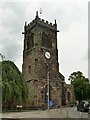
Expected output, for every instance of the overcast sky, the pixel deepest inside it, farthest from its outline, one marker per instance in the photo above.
(72, 21)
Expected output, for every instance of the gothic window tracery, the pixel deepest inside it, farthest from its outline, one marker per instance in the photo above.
(46, 40)
(30, 41)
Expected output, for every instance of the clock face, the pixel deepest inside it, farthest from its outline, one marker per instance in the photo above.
(47, 55)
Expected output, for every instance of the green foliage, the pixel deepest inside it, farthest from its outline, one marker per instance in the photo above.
(81, 85)
(88, 91)
(14, 86)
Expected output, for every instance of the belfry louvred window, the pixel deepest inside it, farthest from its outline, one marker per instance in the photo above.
(30, 41)
(46, 40)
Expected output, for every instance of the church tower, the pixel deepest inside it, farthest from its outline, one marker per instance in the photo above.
(40, 62)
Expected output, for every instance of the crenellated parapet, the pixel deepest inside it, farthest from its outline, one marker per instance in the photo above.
(41, 22)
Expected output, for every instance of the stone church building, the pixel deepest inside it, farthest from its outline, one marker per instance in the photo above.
(40, 65)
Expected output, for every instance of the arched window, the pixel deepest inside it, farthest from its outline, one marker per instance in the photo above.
(31, 38)
(46, 40)
(28, 44)
(30, 41)
(69, 96)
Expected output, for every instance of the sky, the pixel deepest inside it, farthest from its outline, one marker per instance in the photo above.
(72, 22)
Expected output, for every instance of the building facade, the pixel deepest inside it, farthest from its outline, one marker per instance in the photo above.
(40, 63)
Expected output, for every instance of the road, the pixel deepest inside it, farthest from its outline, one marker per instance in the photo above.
(72, 112)
(69, 112)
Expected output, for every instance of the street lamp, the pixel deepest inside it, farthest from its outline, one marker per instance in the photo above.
(48, 56)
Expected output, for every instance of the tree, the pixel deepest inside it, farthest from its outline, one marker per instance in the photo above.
(14, 86)
(88, 91)
(81, 85)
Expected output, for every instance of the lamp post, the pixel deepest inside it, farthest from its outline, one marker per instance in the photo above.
(48, 87)
(48, 56)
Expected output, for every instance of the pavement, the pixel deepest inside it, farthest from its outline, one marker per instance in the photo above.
(52, 113)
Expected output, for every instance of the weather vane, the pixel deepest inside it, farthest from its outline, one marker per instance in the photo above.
(40, 11)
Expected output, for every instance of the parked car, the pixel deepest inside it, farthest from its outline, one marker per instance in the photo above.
(83, 106)
(89, 109)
